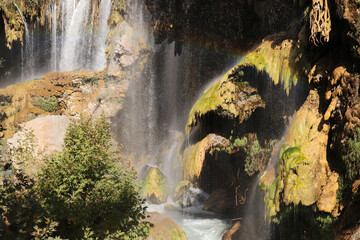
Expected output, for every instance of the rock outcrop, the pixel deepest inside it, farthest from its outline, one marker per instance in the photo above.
(220, 201)
(194, 156)
(49, 133)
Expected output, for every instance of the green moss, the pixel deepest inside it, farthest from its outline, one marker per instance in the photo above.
(48, 105)
(192, 162)
(209, 101)
(291, 157)
(255, 158)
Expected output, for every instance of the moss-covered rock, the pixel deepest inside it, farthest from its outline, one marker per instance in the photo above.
(226, 97)
(303, 175)
(275, 61)
(234, 97)
(155, 188)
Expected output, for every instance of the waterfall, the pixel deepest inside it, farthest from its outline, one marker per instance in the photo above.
(83, 42)
(75, 38)
(54, 38)
(99, 60)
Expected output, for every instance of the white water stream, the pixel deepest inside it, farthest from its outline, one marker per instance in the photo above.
(196, 223)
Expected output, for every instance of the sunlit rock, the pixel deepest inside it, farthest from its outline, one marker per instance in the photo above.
(304, 175)
(49, 132)
(194, 156)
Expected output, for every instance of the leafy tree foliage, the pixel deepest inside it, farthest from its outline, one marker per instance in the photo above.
(79, 194)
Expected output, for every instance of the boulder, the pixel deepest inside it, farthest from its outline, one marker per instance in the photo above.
(156, 187)
(164, 228)
(49, 133)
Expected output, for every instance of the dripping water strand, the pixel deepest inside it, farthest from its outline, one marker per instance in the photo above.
(27, 58)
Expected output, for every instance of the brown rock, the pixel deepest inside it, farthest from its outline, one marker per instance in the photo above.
(164, 228)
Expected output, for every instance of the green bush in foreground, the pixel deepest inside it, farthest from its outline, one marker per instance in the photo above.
(79, 194)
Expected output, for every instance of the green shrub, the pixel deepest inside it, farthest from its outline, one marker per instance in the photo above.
(48, 105)
(93, 80)
(80, 194)
(255, 158)
(351, 158)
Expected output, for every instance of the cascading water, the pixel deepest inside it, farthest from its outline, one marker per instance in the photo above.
(54, 38)
(75, 38)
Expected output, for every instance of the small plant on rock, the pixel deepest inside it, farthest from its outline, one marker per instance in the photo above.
(48, 105)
